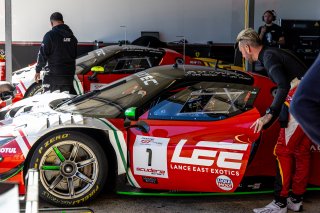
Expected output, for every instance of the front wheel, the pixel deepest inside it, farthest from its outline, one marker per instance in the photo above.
(35, 89)
(72, 168)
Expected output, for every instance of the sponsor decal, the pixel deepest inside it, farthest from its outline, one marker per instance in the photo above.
(220, 73)
(150, 141)
(255, 186)
(146, 78)
(95, 86)
(204, 170)
(226, 156)
(150, 180)
(150, 156)
(66, 202)
(58, 137)
(224, 182)
(224, 159)
(151, 171)
(100, 52)
(8, 150)
(315, 148)
(146, 141)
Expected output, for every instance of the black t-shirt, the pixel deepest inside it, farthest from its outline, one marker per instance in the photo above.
(272, 35)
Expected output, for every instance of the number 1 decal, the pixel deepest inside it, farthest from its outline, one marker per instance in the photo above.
(150, 156)
(146, 164)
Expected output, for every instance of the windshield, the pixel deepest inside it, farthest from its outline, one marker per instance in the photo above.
(111, 101)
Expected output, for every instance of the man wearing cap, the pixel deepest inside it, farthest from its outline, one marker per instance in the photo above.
(57, 54)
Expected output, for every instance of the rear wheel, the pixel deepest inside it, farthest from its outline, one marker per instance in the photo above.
(72, 168)
(35, 89)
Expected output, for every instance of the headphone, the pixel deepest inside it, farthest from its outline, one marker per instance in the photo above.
(272, 12)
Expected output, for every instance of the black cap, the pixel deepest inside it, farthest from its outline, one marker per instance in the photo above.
(56, 17)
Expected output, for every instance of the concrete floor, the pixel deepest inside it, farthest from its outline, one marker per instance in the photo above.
(220, 204)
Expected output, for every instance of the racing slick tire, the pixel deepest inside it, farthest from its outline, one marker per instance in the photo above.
(35, 89)
(72, 168)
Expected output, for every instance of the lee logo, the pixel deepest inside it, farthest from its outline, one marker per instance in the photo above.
(146, 78)
(66, 39)
(224, 159)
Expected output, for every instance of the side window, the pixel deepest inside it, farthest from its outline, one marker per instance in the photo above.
(127, 65)
(205, 101)
(110, 65)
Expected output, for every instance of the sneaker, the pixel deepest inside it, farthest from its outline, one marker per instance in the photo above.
(271, 208)
(296, 207)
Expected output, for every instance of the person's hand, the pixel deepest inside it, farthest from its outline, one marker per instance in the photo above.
(37, 77)
(263, 30)
(260, 122)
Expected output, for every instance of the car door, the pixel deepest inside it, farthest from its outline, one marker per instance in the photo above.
(198, 139)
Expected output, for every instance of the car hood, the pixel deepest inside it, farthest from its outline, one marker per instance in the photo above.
(33, 117)
(24, 73)
(35, 114)
(40, 103)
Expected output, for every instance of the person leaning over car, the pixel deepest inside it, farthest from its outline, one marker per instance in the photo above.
(306, 102)
(270, 33)
(57, 54)
(292, 145)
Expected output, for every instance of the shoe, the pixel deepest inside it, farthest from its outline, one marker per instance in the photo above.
(271, 208)
(296, 207)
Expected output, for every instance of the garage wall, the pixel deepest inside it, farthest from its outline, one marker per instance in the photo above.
(199, 21)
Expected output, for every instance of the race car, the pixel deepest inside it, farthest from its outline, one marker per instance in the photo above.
(175, 128)
(103, 66)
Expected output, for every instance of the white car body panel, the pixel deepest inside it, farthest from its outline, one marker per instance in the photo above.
(28, 127)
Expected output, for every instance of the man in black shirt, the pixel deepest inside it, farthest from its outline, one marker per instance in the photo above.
(271, 34)
(292, 145)
(57, 54)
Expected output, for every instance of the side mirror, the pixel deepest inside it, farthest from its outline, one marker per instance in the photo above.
(131, 115)
(97, 69)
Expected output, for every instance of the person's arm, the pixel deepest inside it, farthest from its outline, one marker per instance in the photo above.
(261, 32)
(275, 71)
(278, 75)
(43, 54)
(281, 40)
(305, 105)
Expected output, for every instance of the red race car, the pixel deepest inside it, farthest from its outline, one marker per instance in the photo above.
(175, 128)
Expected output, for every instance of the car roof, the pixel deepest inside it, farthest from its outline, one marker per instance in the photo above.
(202, 73)
(94, 57)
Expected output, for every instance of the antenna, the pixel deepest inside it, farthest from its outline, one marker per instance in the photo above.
(125, 34)
(216, 65)
(184, 48)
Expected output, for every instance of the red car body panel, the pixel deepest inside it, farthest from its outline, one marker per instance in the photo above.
(201, 156)
(193, 134)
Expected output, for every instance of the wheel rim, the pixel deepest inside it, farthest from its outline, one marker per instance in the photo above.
(68, 169)
(38, 91)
